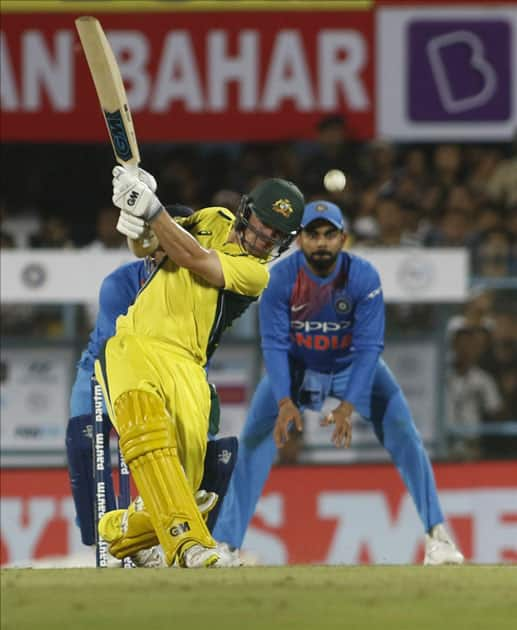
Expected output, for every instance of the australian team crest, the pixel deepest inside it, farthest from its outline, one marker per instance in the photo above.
(283, 207)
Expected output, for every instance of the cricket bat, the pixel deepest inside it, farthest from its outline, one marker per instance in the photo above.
(110, 90)
(113, 99)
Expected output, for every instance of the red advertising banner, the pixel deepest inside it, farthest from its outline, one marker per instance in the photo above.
(335, 514)
(192, 75)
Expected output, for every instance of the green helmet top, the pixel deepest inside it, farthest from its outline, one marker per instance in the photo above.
(279, 204)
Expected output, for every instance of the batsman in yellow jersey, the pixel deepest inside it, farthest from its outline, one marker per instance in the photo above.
(153, 370)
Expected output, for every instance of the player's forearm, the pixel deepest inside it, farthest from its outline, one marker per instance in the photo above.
(183, 249)
(277, 366)
(178, 244)
(144, 246)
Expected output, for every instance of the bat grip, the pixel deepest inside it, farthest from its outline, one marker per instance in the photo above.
(132, 168)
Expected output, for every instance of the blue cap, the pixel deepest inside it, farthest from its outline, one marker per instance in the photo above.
(326, 211)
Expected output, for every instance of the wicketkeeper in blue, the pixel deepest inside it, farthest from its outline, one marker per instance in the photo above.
(322, 328)
(117, 293)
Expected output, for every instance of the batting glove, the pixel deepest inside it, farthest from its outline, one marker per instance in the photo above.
(148, 179)
(133, 196)
(131, 226)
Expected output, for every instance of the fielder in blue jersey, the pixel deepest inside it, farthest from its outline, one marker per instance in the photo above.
(322, 328)
(117, 293)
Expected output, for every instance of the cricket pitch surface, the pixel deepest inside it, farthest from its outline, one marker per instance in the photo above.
(249, 598)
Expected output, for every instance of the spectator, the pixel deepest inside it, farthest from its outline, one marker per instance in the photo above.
(391, 223)
(106, 236)
(54, 233)
(472, 396)
(447, 165)
(494, 254)
(504, 343)
(478, 317)
(381, 162)
(501, 187)
(453, 230)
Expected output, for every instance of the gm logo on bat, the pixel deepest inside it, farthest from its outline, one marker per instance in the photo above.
(118, 135)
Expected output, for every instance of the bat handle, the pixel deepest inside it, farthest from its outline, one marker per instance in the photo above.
(132, 168)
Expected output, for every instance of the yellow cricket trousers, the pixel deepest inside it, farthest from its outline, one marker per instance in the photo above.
(132, 362)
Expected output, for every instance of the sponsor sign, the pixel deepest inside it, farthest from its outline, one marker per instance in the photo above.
(362, 515)
(419, 275)
(459, 70)
(447, 73)
(34, 392)
(192, 75)
(408, 275)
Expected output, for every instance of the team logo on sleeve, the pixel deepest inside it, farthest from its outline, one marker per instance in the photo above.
(283, 207)
(342, 306)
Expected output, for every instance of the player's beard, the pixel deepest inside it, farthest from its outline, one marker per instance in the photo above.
(322, 261)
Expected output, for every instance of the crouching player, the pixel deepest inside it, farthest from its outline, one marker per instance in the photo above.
(322, 329)
(152, 370)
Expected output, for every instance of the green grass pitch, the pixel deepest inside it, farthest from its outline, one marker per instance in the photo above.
(297, 597)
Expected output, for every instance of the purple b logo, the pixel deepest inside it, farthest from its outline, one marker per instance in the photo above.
(459, 70)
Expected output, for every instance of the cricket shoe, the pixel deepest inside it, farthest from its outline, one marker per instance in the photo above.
(149, 558)
(440, 549)
(199, 557)
(228, 556)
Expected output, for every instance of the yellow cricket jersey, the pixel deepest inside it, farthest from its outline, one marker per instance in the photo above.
(180, 308)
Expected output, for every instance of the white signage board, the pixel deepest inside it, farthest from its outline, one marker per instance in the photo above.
(408, 274)
(421, 275)
(34, 397)
(48, 276)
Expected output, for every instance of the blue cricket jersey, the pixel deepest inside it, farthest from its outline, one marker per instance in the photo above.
(325, 324)
(118, 291)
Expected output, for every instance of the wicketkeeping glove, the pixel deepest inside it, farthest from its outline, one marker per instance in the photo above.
(134, 196)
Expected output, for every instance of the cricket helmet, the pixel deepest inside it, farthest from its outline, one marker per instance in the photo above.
(279, 204)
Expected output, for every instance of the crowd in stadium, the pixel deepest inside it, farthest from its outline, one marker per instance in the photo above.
(432, 195)
(436, 195)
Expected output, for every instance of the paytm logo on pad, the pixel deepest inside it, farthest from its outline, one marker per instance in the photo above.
(459, 70)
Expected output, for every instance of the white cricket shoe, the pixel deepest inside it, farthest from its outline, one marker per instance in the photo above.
(440, 549)
(199, 557)
(228, 557)
(151, 558)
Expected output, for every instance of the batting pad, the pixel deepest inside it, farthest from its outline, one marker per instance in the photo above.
(148, 442)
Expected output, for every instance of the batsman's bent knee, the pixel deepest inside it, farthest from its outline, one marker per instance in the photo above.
(128, 531)
(148, 442)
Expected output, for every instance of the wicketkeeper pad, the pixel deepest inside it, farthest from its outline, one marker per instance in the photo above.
(148, 442)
